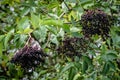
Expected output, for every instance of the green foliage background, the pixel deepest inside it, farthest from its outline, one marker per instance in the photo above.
(49, 22)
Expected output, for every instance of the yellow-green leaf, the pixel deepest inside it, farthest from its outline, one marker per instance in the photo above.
(1, 48)
(28, 30)
(52, 22)
(35, 21)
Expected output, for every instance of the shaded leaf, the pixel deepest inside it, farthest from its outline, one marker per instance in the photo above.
(105, 69)
(1, 48)
(66, 67)
(71, 73)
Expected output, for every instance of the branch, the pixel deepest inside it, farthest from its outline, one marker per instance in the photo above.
(43, 11)
(67, 6)
(49, 36)
(71, 22)
(28, 40)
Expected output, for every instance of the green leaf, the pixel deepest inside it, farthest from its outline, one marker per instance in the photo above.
(2, 37)
(7, 38)
(1, 48)
(68, 66)
(105, 78)
(54, 39)
(52, 29)
(71, 73)
(66, 28)
(112, 65)
(87, 59)
(25, 11)
(41, 33)
(86, 3)
(52, 22)
(28, 30)
(22, 40)
(76, 34)
(84, 66)
(61, 33)
(109, 56)
(71, 1)
(77, 76)
(23, 23)
(86, 63)
(42, 72)
(35, 21)
(74, 29)
(105, 69)
(103, 48)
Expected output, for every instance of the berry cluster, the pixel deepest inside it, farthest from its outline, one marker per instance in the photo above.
(28, 57)
(95, 22)
(73, 46)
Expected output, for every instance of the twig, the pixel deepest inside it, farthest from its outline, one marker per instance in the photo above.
(62, 15)
(45, 12)
(28, 40)
(49, 36)
(71, 22)
(81, 5)
(67, 6)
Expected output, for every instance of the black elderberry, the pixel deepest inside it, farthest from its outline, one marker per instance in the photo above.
(95, 22)
(28, 57)
(73, 46)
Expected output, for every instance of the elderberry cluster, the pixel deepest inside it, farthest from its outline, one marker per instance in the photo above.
(28, 57)
(95, 22)
(73, 46)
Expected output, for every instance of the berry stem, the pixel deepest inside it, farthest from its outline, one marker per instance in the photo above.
(28, 40)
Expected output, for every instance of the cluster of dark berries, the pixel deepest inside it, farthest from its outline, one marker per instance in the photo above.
(95, 22)
(73, 46)
(28, 57)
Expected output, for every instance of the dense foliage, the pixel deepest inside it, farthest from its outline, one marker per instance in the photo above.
(59, 39)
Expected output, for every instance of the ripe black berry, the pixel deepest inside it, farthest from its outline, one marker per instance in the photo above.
(28, 57)
(95, 22)
(73, 46)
